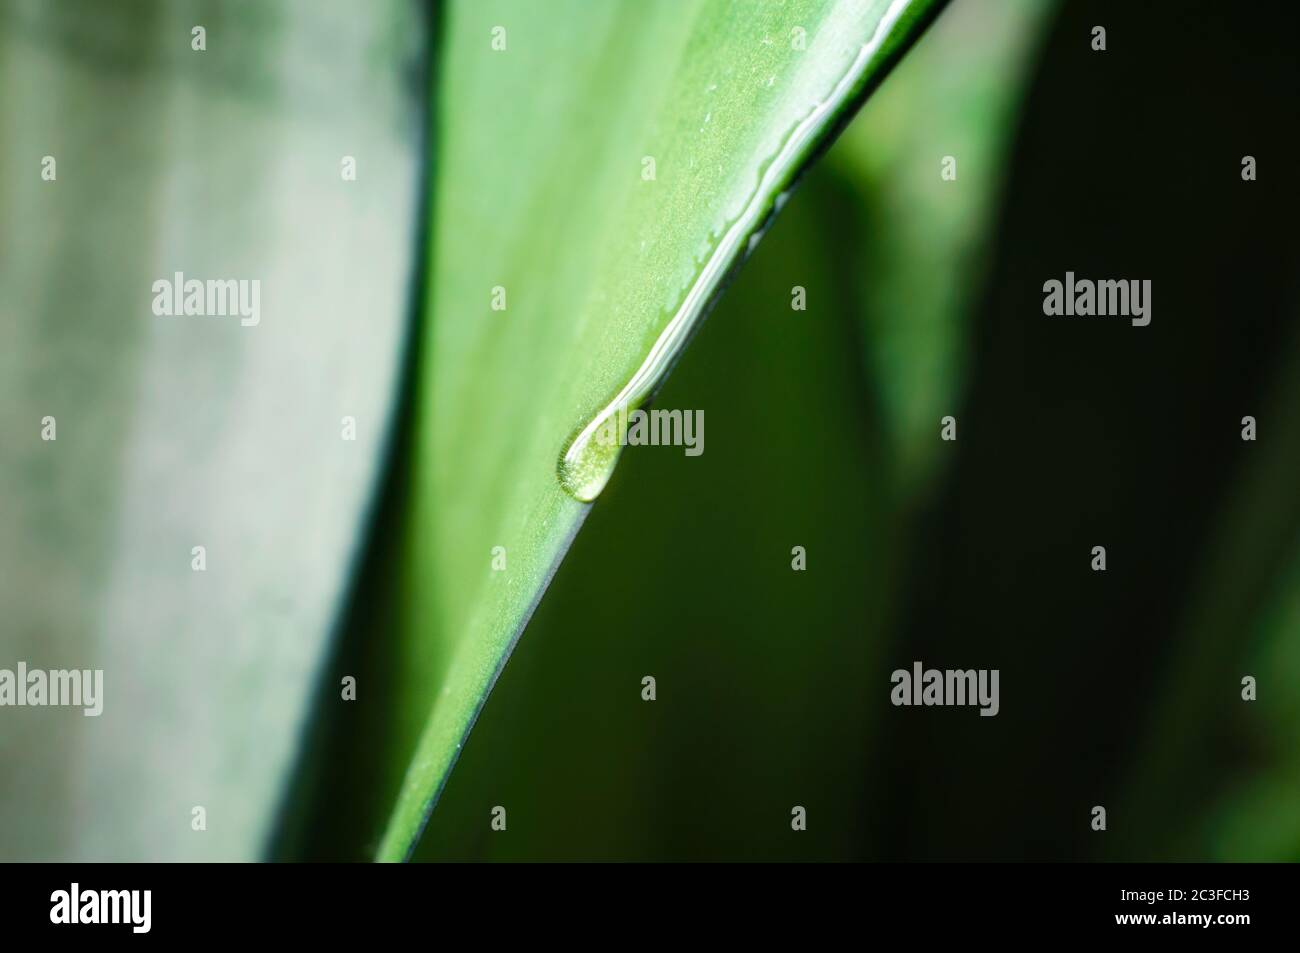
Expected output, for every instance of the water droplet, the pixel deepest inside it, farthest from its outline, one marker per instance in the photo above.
(588, 460)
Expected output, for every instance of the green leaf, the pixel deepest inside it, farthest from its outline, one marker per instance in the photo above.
(602, 168)
(714, 604)
(1247, 587)
(177, 432)
(1256, 815)
(763, 673)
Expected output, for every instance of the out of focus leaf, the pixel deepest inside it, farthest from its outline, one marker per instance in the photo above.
(1120, 688)
(927, 160)
(1242, 622)
(1257, 817)
(176, 432)
(602, 168)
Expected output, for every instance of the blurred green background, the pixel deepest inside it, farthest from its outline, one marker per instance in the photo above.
(924, 296)
(1119, 689)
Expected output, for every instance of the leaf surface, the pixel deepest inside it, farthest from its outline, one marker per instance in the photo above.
(603, 168)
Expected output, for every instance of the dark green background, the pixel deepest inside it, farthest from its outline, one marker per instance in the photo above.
(1118, 689)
